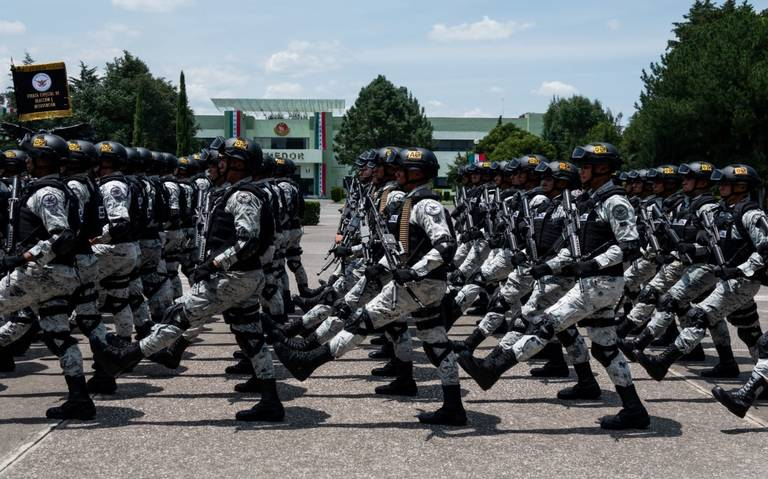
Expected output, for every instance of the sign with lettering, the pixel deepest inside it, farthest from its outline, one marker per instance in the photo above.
(297, 156)
(41, 91)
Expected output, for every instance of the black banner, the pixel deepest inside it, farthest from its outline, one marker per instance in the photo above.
(42, 91)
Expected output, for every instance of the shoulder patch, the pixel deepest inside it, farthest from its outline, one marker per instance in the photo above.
(50, 200)
(117, 192)
(243, 197)
(620, 212)
(433, 208)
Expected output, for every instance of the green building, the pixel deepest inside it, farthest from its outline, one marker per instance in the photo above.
(303, 131)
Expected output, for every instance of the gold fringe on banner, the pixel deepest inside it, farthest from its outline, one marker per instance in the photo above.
(45, 115)
(38, 67)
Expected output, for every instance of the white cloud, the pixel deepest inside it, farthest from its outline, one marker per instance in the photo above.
(475, 112)
(613, 24)
(112, 31)
(485, 29)
(12, 27)
(304, 58)
(435, 103)
(283, 90)
(495, 89)
(150, 5)
(555, 88)
(214, 81)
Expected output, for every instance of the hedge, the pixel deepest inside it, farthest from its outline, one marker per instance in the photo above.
(337, 194)
(311, 213)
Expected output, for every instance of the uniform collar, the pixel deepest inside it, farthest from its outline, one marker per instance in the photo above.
(417, 189)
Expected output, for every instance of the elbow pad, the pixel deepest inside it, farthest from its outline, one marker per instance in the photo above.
(446, 246)
(249, 249)
(119, 230)
(630, 250)
(64, 244)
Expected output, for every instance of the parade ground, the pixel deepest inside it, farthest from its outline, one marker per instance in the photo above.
(164, 423)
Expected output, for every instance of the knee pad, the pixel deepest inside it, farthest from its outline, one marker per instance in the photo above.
(135, 301)
(648, 296)
(294, 264)
(396, 330)
(51, 339)
(479, 280)
(669, 303)
(250, 342)
(435, 357)
(697, 317)
(176, 316)
(85, 293)
(497, 303)
(604, 354)
(115, 282)
(750, 336)
(114, 305)
(746, 316)
(546, 328)
(428, 318)
(568, 337)
(359, 324)
(56, 306)
(87, 323)
(521, 325)
(296, 251)
(247, 315)
(762, 347)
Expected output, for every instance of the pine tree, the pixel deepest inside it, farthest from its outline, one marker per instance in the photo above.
(183, 121)
(138, 120)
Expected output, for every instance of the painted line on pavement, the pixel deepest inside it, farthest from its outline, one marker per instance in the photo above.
(28, 446)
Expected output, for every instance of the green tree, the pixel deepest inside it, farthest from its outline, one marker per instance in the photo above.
(707, 96)
(382, 115)
(184, 120)
(507, 141)
(577, 120)
(138, 120)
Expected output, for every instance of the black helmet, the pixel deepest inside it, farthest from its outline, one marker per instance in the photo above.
(170, 162)
(531, 162)
(133, 161)
(511, 167)
(472, 168)
(365, 157)
(247, 151)
(560, 170)
(663, 173)
(595, 154)
(186, 165)
(420, 158)
(738, 173)
(701, 170)
(209, 157)
(387, 154)
(622, 176)
(268, 165)
(145, 158)
(496, 167)
(484, 168)
(637, 175)
(46, 146)
(285, 167)
(14, 162)
(82, 155)
(112, 151)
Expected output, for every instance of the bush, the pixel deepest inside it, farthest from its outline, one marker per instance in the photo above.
(337, 194)
(311, 213)
(446, 195)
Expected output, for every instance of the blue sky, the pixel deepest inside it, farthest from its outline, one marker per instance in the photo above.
(459, 58)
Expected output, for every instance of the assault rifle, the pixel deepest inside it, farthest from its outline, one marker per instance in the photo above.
(713, 241)
(203, 213)
(669, 230)
(348, 223)
(573, 227)
(530, 241)
(10, 236)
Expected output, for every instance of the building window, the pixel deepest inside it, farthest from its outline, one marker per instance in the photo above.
(454, 145)
(279, 143)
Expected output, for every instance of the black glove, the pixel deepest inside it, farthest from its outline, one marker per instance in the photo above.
(496, 241)
(457, 212)
(729, 273)
(342, 251)
(404, 275)
(375, 272)
(519, 259)
(583, 268)
(10, 262)
(202, 272)
(686, 248)
(471, 236)
(541, 270)
(457, 278)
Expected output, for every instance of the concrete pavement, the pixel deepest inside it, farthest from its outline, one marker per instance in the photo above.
(181, 423)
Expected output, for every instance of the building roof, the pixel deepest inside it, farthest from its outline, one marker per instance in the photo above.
(272, 106)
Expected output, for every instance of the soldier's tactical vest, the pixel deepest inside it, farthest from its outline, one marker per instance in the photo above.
(221, 228)
(150, 230)
(548, 230)
(30, 228)
(735, 250)
(162, 200)
(188, 188)
(686, 222)
(276, 200)
(417, 243)
(94, 217)
(136, 210)
(295, 206)
(596, 235)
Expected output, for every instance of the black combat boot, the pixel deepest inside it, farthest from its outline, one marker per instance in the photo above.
(624, 327)
(389, 369)
(144, 330)
(739, 401)
(239, 355)
(100, 382)
(470, 343)
(386, 351)
(7, 363)
(696, 355)
(586, 386)
(451, 413)
(632, 415)
(308, 292)
(170, 357)
(115, 360)
(727, 367)
(293, 327)
(243, 366)
(301, 364)
(379, 340)
(628, 346)
(555, 367)
(252, 385)
(21, 345)
(268, 409)
(302, 344)
(487, 371)
(657, 366)
(78, 404)
(403, 385)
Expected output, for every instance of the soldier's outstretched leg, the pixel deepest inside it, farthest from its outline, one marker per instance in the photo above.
(739, 401)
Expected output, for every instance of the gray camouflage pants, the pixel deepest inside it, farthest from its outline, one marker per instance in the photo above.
(696, 280)
(664, 279)
(116, 263)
